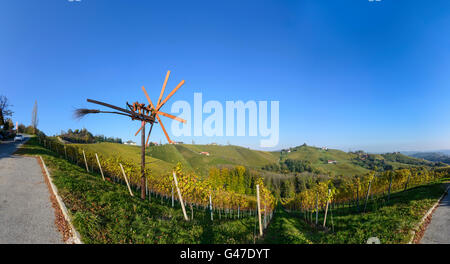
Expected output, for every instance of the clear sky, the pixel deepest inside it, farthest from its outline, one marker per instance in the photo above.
(349, 74)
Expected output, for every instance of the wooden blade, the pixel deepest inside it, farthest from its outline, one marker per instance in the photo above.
(135, 115)
(148, 137)
(148, 98)
(142, 125)
(163, 88)
(164, 130)
(170, 95)
(171, 116)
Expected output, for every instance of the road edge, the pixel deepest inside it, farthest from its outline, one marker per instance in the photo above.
(420, 226)
(76, 238)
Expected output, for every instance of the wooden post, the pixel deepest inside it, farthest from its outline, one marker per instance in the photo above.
(126, 180)
(143, 161)
(85, 162)
(172, 196)
(317, 209)
(390, 185)
(357, 197)
(210, 206)
(99, 166)
(326, 209)
(180, 197)
(367, 196)
(265, 215)
(238, 211)
(259, 210)
(65, 151)
(407, 181)
(146, 186)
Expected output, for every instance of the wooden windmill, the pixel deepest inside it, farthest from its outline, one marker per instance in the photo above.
(145, 114)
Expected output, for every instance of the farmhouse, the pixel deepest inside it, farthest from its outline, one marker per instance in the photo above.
(204, 153)
(129, 142)
(332, 161)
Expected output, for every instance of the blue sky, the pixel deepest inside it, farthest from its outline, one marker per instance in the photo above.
(349, 74)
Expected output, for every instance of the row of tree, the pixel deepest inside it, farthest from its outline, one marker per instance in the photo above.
(85, 137)
(7, 125)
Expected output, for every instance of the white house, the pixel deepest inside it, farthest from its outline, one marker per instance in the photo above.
(129, 142)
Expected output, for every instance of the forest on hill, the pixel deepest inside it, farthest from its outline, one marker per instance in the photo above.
(432, 156)
(85, 137)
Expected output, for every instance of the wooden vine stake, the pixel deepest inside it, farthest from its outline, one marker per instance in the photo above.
(99, 166)
(65, 151)
(126, 180)
(326, 208)
(180, 197)
(317, 209)
(259, 210)
(210, 206)
(85, 162)
(172, 196)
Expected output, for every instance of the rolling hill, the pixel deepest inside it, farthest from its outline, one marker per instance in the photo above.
(432, 156)
(164, 157)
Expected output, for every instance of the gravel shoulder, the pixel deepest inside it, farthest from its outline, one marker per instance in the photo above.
(26, 213)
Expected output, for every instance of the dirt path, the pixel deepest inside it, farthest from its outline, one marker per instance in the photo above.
(26, 213)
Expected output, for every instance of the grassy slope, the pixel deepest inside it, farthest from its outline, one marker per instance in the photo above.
(319, 157)
(104, 212)
(391, 223)
(159, 166)
(164, 157)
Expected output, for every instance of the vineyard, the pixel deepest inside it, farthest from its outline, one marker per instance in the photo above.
(216, 193)
(358, 191)
(222, 206)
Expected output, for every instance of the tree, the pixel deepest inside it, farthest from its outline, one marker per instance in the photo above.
(34, 119)
(4, 109)
(21, 128)
(8, 124)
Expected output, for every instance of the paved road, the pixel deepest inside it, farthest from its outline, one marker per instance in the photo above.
(26, 214)
(438, 231)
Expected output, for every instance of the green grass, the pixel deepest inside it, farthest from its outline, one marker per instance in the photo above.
(319, 157)
(164, 157)
(132, 153)
(345, 165)
(391, 222)
(104, 212)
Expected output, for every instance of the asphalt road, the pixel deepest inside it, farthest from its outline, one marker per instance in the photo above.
(438, 230)
(26, 214)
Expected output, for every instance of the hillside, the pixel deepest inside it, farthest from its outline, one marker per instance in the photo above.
(163, 158)
(338, 162)
(319, 159)
(432, 156)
